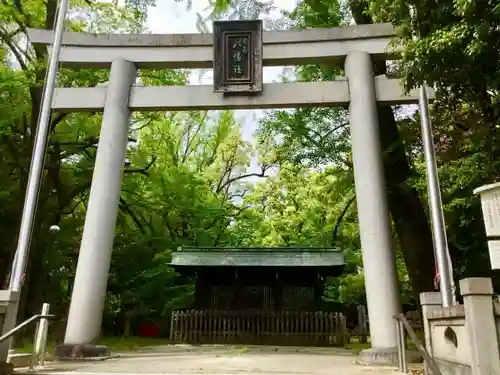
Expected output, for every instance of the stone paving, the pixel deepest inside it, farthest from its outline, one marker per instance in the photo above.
(222, 361)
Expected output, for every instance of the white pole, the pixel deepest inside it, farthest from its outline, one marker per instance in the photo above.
(443, 259)
(38, 156)
(442, 254)
(34, 176)
(41, 337)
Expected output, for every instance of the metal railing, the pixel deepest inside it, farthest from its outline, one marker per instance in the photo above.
(41, 331)
(403, 325)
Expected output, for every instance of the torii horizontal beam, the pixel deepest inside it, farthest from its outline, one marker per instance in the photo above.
(274, 95)
(194, 51)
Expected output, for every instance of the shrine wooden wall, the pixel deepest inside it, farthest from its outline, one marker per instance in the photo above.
(290, 298)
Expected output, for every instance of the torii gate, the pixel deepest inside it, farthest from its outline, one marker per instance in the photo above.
(124, 54)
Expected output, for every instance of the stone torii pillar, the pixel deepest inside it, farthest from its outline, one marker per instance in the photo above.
(89, 290)
(379, 262)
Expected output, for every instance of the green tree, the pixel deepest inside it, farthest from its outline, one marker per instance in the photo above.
(321, 135)
(457, 52)
(188, 193)
(73, 137)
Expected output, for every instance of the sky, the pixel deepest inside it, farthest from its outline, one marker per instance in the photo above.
(171, 17)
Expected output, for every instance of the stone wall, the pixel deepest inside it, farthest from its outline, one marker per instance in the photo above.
(7, 313)
(464, 339)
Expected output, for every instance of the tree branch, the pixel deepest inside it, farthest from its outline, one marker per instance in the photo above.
(56, 120)
(340, 218)
(144, 170)
(132, 129)
(8, 41)
(20, 9)
(190, 139)
(262, 173)
(17, 20)
(334, 130)
(88, 142)
(238, 195)
(126, 208)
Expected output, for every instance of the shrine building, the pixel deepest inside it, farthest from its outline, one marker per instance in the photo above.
(258, 296)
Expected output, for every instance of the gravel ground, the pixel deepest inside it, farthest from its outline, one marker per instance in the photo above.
(230, 361)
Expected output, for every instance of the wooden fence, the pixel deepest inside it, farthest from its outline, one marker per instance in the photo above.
(361, 332)
(259, 327)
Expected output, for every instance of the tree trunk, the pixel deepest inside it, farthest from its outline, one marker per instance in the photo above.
(127, 325)
(405, 206)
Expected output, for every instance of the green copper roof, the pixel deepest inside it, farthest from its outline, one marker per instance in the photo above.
(258, 257)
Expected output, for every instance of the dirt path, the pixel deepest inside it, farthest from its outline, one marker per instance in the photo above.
(223, 361)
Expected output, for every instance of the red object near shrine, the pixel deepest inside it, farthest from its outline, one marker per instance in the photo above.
(149, 329)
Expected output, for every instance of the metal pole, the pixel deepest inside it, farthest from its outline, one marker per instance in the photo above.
(38, 156)
(400, 354)
(442, 254)
(41, 337)
(443, 260)
(402, 339)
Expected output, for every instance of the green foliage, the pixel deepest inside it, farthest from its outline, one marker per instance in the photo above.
(455, 48)
(297, 206)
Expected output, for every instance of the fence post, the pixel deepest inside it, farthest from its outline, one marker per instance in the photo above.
(347, 333)
(429, 301)
(403, 364)
(173, 316)
(362, 323)
(481, 325)
(338, 330)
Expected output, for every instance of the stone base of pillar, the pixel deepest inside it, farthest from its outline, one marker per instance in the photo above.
(6, 368)
(79, 352)
(387, 356)
(379, 356)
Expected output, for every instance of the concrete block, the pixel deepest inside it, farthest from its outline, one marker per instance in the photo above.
(72, 352)
(20, 359)
(481, 325)
(476, 286)
(387, 356)
(430, 298)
